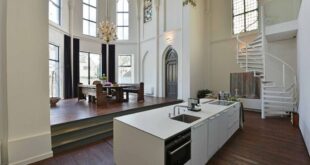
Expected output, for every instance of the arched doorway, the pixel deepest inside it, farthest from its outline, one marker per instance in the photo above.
(171, 73)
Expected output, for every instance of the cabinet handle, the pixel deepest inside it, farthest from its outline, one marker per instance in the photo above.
(179, 148)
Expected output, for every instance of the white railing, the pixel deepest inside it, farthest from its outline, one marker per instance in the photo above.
(239, 41)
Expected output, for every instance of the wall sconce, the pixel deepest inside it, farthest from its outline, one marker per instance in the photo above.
(169, 37)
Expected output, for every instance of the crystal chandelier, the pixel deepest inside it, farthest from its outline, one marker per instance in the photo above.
(107, 31)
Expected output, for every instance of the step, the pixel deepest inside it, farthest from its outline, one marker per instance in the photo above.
(258, 42)
(252, 67)
(250, 54)
(284, 103)
(259, 37)
(251, 49)
(269, 92)
(249, 58)
(78, 133)
(278, 97)
(276, 114)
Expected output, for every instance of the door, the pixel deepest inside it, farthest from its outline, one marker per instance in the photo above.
(171, 74)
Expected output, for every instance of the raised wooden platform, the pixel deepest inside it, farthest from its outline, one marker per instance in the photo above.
(74, 123)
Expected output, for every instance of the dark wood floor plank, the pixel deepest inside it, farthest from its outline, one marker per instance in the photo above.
(262, 142)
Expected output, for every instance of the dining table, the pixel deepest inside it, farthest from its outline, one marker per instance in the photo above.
(119, 88)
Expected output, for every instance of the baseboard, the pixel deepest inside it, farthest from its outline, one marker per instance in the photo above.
(305, 130)
(34, 159)
(29, 149)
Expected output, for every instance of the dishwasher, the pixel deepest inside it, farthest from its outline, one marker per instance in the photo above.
(178, 148)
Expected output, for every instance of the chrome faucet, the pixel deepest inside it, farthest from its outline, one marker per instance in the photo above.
(178, 106)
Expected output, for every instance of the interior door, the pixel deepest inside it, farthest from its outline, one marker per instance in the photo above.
(172, 75)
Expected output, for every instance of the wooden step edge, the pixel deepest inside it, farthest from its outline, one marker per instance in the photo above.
(70, 130)
(80, 138)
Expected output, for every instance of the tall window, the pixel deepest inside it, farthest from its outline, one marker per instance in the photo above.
(125, 69)
(245, 15)
(54, 11)
(89, 67)
(90, 17)
(54, 83)
(122, 12)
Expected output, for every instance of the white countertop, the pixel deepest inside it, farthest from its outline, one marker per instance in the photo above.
(157, 122)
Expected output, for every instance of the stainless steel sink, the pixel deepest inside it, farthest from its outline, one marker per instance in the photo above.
(185, 118)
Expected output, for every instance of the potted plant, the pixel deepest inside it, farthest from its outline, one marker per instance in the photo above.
(53, 100)
(103, 79)
(203, 93)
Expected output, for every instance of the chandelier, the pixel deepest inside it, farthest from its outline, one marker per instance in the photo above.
(107, 31)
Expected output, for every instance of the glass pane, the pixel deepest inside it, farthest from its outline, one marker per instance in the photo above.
(251, 5)
(54, 85)
(54, 14)
(120, 6)
(92, 29)
(85, 27)
(126, 6)
(125, 75)
(86, 1)
(93, 2)
(126, 33)
(92, 14)
(238, 7)
(124, 60)
(53, 52)
(120, 21)
(94, 67)
(239, 24)
(85, 11)
(83, 68)
(126, 19)
(57, 2)
(120, 33)
(251, 20)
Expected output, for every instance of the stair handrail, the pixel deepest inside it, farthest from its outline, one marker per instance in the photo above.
(237, 36)
(282, 61)
(294, 84)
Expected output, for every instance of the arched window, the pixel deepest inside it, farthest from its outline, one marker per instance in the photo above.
(122, 16)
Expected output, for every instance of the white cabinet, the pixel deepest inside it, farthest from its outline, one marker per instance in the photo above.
(222, 125)
(213, 136)
(199, 143)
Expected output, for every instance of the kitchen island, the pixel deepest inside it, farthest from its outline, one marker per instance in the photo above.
(154, 138)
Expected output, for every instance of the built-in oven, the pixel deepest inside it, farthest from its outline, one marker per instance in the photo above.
(178, 148)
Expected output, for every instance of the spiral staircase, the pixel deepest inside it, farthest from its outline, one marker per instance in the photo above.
(278, 78)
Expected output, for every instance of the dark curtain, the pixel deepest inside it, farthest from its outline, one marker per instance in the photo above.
(112, 63)
(104, 58)
(76, 66)
(67, 68)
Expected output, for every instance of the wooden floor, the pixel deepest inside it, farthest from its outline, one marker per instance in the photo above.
(72, 110)
(265, 142)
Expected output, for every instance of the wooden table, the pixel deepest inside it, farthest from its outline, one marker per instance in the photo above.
(84, 89)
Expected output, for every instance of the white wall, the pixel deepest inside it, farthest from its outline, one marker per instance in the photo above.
(278, 11)
(156, 36)
(29, 137)
(303, 70)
